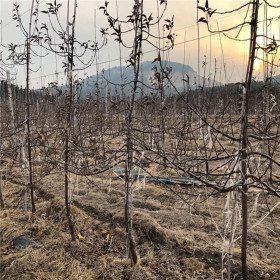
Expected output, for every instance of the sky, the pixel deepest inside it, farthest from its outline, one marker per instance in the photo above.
(214, 54)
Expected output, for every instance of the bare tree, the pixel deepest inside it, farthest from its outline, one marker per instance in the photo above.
(139, 24)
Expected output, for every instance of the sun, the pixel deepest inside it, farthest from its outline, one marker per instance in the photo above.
(257, 64)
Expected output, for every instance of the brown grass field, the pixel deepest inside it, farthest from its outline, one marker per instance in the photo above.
(174, 241)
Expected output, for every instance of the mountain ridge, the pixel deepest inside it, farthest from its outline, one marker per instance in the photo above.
(112, 77)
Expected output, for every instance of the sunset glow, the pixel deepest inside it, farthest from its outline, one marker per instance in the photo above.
(190, 48)
(257, 65)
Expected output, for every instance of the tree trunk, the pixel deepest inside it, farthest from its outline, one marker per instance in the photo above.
(69, 106)
(28, 115)
(136, 52)
(244, 136)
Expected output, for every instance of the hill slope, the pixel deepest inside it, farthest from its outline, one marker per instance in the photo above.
(112, 77)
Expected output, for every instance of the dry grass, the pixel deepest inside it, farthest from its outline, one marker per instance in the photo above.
(172, 243)
(55, 258)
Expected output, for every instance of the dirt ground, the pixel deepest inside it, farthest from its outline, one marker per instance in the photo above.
(179, 235)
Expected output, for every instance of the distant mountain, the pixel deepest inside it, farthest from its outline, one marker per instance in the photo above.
(276, 79)
(111, 78)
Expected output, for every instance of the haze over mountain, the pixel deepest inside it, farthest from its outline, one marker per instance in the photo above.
(112, 78)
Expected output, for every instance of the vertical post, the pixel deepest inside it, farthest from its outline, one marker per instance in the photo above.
(11, 107)
(198, 48)
(120, 55)
(1, 196)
